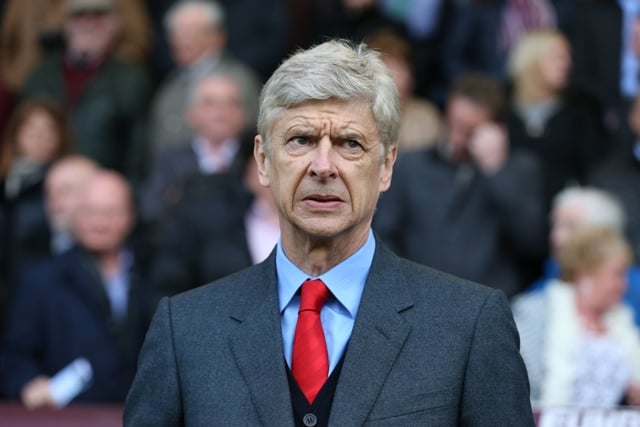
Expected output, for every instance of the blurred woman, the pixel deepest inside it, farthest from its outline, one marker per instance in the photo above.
(37, 134)
(546, 117)
(578, 340)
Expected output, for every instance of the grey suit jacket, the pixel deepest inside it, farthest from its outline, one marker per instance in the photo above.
(426, 349)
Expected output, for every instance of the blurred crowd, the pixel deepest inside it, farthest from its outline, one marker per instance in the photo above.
(127, 172)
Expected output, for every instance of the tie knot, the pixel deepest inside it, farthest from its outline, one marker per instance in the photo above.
(313, 296)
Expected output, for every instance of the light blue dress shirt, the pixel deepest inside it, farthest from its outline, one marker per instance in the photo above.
(346, 283)
(117, 287)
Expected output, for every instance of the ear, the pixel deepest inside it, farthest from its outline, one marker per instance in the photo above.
(262, 160)
(386, 169)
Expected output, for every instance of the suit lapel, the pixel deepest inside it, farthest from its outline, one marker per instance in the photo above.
(258, 350)
(378, 336)
(84, 278)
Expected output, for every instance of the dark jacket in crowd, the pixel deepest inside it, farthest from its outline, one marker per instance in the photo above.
(455, 219)
(569, 145)
(108, 117)
(61, 312)
(203, 238)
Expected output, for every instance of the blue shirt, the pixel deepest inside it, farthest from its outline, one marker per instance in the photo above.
(117, 287)
(346, 283)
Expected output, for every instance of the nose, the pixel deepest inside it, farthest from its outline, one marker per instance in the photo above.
(323, 163)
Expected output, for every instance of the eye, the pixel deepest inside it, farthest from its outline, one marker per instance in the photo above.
(297, 145)
(299, 140)
(352, 144)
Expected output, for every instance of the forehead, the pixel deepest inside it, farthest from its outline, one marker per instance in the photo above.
(104, 192)
(328, 115)
(217, 85)
(461, 107)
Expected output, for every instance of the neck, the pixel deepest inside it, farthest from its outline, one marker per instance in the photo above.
(317, 255)
(534, 95)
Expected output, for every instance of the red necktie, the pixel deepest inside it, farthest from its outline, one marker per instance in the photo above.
(309, 362)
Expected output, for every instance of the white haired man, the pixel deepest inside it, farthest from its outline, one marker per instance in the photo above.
(332, 328)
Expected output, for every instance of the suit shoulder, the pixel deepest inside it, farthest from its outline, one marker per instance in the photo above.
(434, 284)
(236, 290)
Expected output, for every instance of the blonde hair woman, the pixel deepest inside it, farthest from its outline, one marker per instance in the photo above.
(578, 340)
(546, 117)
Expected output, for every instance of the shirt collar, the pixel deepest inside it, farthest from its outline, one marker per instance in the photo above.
(345, 281)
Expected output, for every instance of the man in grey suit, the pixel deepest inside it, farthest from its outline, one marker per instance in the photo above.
(395, 343)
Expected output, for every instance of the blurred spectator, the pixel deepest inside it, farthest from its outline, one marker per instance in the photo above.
(258, 32)
(578, 341)
(216, 114)
(575, 208)
(606, 56)
(546, 118)
(198, 39)
(32, 27)
(28, 28)
(63, 188)
(36, 136)
(620, 175)
(470, 206)
(224, 223)
(483, 32)
(355, 20)
(106, 97)
(421, 123)
(426, 22)
(87, 303)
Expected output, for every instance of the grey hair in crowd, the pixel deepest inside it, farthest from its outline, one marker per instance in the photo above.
(193, 93)
(210, 10)
(335, 69)
(600, 208)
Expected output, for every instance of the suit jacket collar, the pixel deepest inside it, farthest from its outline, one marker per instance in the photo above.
(378, 336)
(82, 276)
(258, 349)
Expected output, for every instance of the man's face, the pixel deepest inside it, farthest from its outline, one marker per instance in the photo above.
(217, 112)
(463, 117)
(64, 192)
(190, 37)
(325, 169)
(91, 33)
(565, 220)
(105, 216)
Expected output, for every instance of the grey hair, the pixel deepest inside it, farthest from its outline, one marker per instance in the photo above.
(600, 208)
(335, 69)
(211, 10)
(194, 88)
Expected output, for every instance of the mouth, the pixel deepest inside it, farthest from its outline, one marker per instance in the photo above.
(323, 201)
